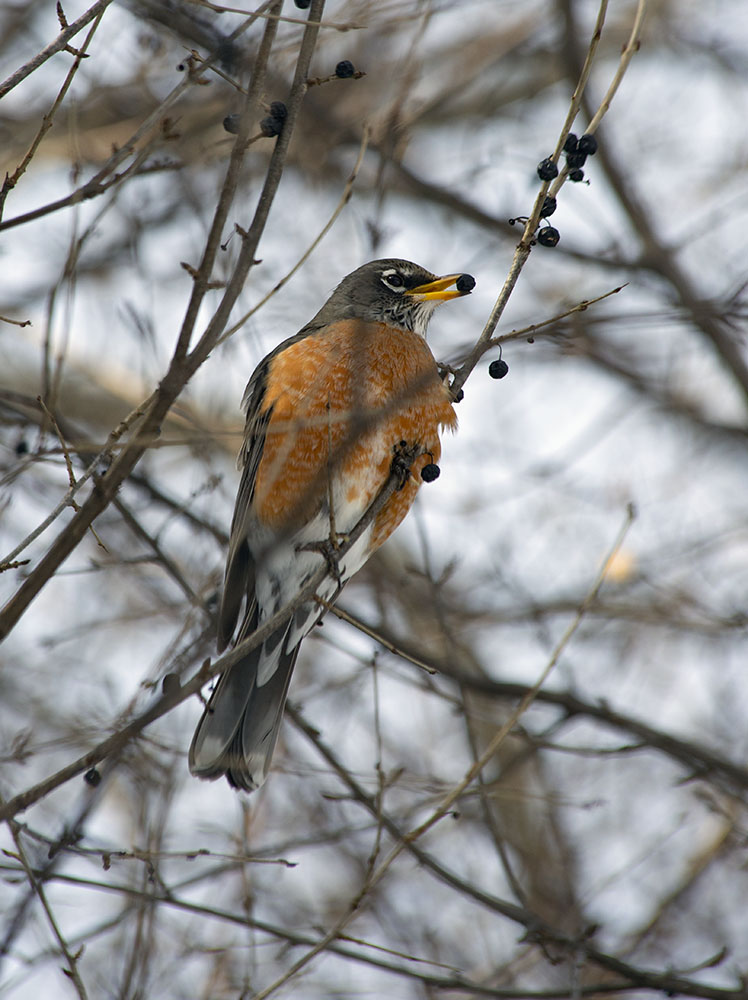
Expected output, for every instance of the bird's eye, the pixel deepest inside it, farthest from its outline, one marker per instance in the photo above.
(394, 280)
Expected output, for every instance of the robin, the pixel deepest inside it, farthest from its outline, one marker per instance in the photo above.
(327, 413)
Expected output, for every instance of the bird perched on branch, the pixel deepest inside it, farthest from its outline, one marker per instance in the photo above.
(328, 413)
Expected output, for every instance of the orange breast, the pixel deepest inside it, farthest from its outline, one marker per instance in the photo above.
(341, 401)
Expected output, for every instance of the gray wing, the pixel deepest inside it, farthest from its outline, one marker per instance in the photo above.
(239, 577)
(237, 733)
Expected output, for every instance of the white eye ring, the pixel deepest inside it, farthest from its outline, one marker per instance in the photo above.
(394, 280)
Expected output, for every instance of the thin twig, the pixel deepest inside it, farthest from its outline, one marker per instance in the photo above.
(98, 184)
(530, 331)
(182, 368)
(68, 464)
(643, 978)
(344, 199)
(95, 466)
(59, 43)
(629, 50)
(445, 806)
(172, 698)
(341, 26)
(522, 251)
(48, 119)
(16, 322)
(38, 890)
(345, 616)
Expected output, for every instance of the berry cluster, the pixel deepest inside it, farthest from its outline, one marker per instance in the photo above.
(273, 123)
(577, 151)
(547, 236)
(270, 125)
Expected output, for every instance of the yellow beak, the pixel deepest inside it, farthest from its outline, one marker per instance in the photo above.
(441, 288)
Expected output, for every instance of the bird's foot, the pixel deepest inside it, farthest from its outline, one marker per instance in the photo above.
(328, 549)
(405, 455)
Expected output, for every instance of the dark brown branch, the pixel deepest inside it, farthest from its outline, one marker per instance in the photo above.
(180, 370)
(295, 937)
(173, 697)
(58, 45)
(537, 931)
(656, 255)
(700, 761)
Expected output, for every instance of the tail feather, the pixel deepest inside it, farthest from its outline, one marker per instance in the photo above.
(239, 728)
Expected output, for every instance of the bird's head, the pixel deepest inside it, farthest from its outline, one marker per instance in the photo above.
(393, 291)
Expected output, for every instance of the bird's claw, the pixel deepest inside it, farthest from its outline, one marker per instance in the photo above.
(328, 549)
(405, 455)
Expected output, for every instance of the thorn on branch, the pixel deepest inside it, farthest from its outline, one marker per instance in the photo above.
(168, 128)
(13, 564)
(194, 273)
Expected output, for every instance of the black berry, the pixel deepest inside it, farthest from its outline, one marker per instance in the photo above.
(430, 472)
(498, 369)
(271, 126)
(21, 448)
(278, 110)
(549, 237)
(302, 4)
(587, 144)
(465, 283)
(547, 169)
(577, 159)
(460, 396)
(576, 175)
(570, 145)
(231, 123)
(92, 777)
(549, 207)
(345, 69)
